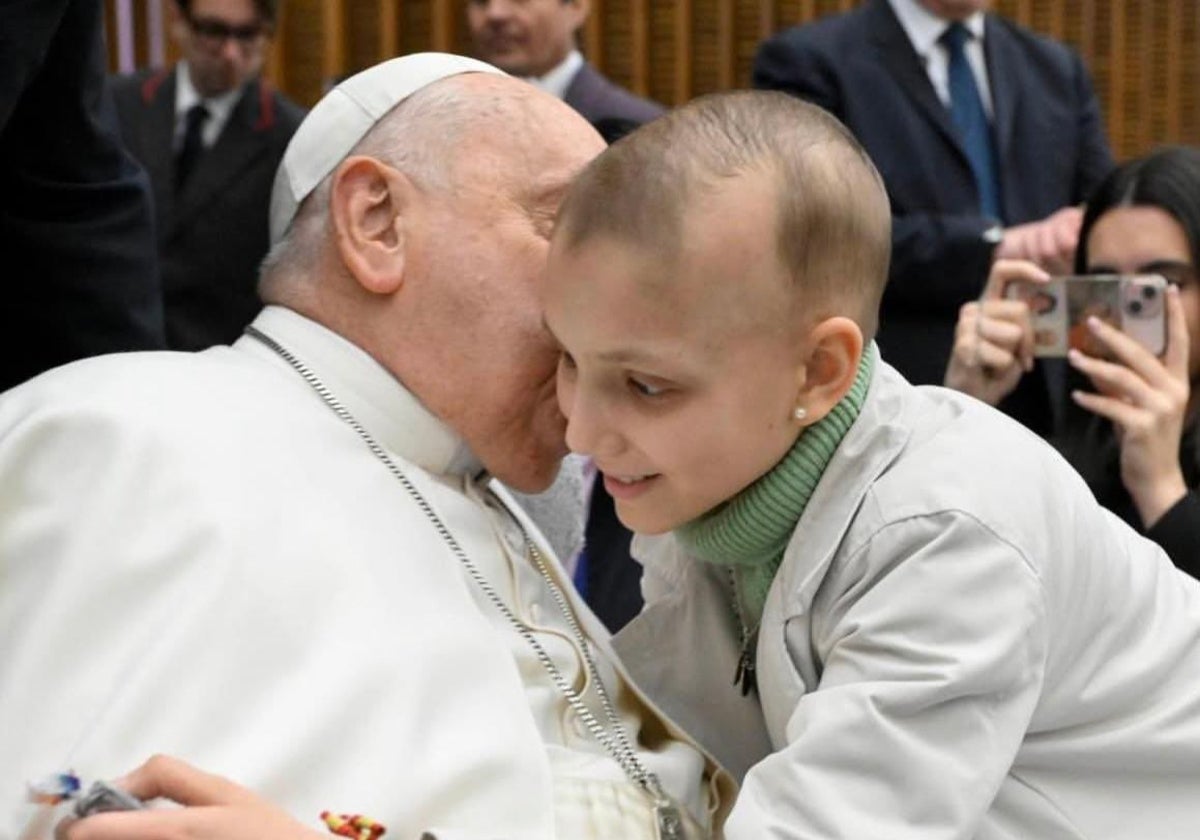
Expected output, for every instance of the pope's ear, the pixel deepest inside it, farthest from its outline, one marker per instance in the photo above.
(368, 201)
(836, 347)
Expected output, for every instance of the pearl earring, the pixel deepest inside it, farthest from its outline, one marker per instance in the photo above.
(800, 413)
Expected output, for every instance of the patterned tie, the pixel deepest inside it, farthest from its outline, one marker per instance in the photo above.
(193, 144)
(966, 109)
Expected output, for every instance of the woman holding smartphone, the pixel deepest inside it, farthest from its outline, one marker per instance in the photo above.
(1130, 427)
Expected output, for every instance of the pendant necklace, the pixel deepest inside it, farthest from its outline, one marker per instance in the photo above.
(610, 734)
(744, 677)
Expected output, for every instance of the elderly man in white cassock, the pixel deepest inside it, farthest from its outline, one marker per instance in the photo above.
(289, 560)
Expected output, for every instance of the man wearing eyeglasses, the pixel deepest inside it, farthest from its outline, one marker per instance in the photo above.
(210, 132)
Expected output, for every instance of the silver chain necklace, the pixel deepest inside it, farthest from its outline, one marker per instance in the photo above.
(612, 737)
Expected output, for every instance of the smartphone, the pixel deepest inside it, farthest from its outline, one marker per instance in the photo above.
(1059, 309)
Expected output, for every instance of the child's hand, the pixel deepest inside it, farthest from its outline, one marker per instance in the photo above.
(1146, 400)
(993, 341)
(214, 809)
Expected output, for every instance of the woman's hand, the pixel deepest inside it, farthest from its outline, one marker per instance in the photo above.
(993, 341)
(215, 809)
(1146, 400)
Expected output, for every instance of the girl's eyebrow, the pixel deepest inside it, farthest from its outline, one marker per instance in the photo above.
(623, 355)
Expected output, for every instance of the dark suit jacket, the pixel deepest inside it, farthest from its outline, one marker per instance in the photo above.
(1050, 143)
(213, 236)
(597, 99)
(614, 578)
(76, 226)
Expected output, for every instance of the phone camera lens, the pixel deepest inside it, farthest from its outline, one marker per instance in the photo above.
(1149, 292)
(1135, 307)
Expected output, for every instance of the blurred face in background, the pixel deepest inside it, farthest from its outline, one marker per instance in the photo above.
(525, 37)
(1149, 240)
(223, 41)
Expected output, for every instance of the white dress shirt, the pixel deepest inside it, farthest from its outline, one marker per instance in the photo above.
(924, 28)
(559, 79)
(219, 108)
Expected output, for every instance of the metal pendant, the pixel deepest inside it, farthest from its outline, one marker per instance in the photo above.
(668, 821)
(744, 676)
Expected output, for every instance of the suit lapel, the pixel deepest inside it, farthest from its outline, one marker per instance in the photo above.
(1003, 62)
(156, 136)
(242, 140)
(581, 93)
(906, 68)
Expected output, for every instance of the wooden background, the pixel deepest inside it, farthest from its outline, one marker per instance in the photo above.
(1144, 55)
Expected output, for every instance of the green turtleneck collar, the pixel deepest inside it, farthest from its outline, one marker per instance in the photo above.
(750, 533)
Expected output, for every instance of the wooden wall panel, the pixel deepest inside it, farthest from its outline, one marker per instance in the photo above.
(1144, 55)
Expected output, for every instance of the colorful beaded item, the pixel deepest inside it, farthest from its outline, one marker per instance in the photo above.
(354, 826)
(54, 789)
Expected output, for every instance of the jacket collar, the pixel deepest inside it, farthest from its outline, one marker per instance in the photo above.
(873, 443)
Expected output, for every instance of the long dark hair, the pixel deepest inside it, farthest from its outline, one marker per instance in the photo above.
(1168, 179)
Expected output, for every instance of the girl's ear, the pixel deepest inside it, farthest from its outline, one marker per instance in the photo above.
(829, 369)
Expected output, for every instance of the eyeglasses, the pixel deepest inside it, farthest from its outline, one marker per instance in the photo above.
(212, 34)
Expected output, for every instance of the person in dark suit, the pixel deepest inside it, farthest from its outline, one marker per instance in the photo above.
(535, 39)
(987, 136)
(210, 132)
(76, 225)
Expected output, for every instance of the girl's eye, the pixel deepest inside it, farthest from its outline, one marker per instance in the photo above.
(646, 389)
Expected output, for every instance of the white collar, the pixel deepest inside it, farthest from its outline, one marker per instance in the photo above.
(186, 95)
(924, 28)
(385, 408)
(559, 79)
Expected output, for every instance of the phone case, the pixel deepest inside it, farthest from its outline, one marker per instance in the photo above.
(1060, 309)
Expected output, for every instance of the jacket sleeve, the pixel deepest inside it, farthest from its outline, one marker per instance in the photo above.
(930, 648)
(1095, 159)
(76, 219)
(1178, 532)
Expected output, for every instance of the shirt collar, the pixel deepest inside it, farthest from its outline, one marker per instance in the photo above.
(924, 28)
(559, 79)
(386, 409)
(186, 95)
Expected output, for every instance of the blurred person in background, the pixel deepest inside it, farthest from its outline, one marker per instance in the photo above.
(988, 137)
(76, 223)
(536, 40)
(1131, 428)
(210, 131)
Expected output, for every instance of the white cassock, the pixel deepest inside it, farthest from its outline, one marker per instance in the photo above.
(197, 557)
